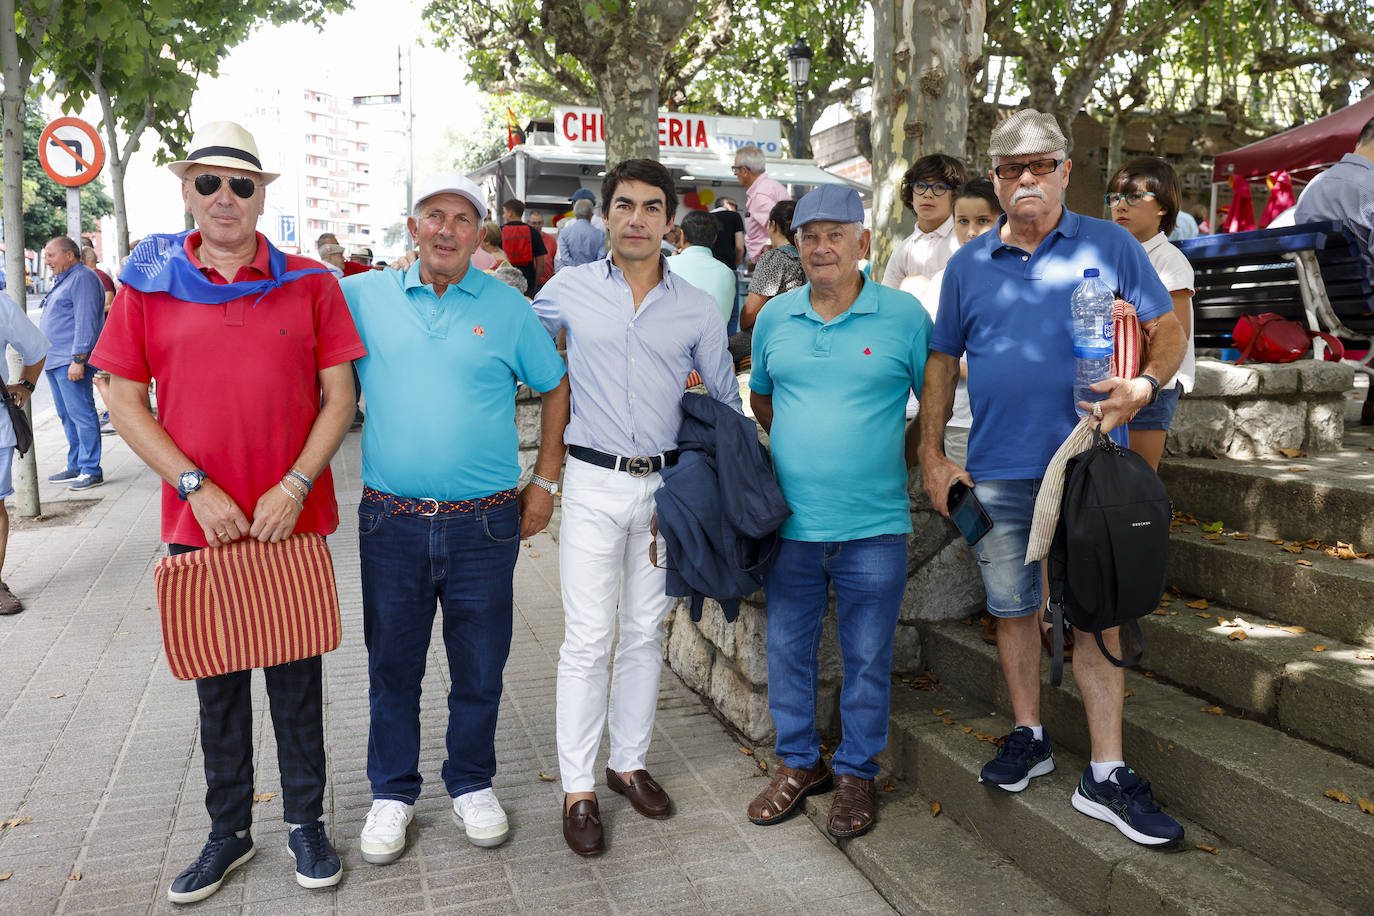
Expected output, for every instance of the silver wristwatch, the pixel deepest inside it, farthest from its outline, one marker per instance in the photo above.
(545, 483)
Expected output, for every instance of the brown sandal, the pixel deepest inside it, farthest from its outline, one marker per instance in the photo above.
(789, 786)
(855, 807)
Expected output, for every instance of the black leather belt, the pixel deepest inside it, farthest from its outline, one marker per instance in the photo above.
(638, 466)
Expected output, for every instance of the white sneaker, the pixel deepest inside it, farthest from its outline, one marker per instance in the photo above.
(481, 815)
(384, 832)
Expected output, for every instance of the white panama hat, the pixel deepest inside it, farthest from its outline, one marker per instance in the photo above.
(225, 144)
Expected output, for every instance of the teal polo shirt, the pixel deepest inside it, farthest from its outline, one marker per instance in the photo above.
(699, 267)
(839, 392)
(440, 378)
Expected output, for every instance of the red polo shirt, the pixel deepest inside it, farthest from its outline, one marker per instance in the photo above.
(237, 384)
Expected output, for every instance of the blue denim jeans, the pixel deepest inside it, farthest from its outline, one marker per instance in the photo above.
(869, 576)
(464, 562)
(75, 403)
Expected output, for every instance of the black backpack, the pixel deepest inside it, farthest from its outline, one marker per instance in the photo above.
(1110, 556)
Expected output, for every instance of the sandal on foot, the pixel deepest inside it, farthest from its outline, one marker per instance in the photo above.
(855, 807)
(789, 786)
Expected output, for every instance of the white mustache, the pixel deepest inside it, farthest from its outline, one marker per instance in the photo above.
(1023, 193)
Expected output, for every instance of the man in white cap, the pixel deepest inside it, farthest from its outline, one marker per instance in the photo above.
(441, 519)
(834, 363)
(1014, 284)
(251, 350)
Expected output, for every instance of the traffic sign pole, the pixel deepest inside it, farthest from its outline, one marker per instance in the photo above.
(74, 215)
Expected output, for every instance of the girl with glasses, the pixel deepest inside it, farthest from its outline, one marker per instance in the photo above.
(1144, 196)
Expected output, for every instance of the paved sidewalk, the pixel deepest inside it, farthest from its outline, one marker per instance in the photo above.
(98, 748)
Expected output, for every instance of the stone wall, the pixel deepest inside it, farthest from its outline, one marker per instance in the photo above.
(1253, 410)
(728, 663)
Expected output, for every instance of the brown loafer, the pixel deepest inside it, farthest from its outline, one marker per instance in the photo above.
(855, 807)
(789, 786)
(646, 796)
(582, 827)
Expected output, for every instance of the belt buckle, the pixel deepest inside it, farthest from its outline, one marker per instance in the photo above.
(639, 466)
(432, 513)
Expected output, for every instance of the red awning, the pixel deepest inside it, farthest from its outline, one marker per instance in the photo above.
(1313, 144)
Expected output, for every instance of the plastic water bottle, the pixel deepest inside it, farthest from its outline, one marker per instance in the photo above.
(1091, 304)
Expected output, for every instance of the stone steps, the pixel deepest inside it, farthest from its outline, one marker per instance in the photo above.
(1086, 862)
(923, 864)
(1331, 596)
(1271, 675)
(1256, 787)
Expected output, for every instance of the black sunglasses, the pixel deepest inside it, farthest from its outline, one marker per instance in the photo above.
(208, 184)
(1010, 171)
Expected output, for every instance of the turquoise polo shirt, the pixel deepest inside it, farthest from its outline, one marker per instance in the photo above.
(440, 377)
(839, 392)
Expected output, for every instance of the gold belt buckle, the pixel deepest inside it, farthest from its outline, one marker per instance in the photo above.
(639, 466)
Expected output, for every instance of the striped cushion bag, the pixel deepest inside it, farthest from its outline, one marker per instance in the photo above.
(247, 605)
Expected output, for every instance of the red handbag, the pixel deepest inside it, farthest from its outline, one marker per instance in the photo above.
(1271, 338)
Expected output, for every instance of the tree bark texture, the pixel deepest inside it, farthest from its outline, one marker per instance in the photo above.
(926, 56)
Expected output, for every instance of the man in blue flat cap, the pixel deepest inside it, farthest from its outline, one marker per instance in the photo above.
(834, 361)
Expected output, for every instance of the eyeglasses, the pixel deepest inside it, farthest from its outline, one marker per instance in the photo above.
(1132, 198)
(739, 168)
(208, 184)
(1010, 171)
(939, 188)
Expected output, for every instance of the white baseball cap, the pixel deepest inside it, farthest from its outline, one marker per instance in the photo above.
(452, 183)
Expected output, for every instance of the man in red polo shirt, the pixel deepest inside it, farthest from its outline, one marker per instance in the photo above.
(252, 350)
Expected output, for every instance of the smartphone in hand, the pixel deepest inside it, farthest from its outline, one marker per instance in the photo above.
(968, 513)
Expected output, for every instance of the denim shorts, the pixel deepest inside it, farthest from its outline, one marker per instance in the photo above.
(1013, 588)
(1159, 414)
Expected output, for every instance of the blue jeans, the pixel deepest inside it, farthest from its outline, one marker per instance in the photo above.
(75, 403)
(869, 576)
(465, 561)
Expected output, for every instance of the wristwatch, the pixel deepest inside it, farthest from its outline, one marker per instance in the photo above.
(25, 384)
(545, 483)
(1154, 387)
(80, 358)
(189, 482)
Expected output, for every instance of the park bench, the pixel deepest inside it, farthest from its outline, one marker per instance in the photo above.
(1310, 273)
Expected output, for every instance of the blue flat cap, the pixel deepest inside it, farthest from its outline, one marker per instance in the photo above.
(831, 203)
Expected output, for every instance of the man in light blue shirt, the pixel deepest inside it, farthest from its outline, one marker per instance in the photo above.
(580, 242)
(635, 332)
(73, 314)
(440, 519)
(833, 364)
(699, 266)
(1345, 192)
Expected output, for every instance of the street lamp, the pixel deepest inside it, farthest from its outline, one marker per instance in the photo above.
(798, 72)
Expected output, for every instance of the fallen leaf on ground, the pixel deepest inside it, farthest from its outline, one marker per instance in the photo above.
(1148, 673)
(1321, 648)
(545, 777)
(1238, 634)
(1173, 613)
(1160, 613)
(947, 721)
(991, 739)
(1366, 806)
(1293, 548)
(1275, 541)
(15, 822)
(534, 554)
(1198, 605)
(967, 729)
(1243, 624)
(1365, 656)
(1313, 544)
(1212, 710)
(889, 787)
(763, 765)
(1303, 562)
(1176, 590)
(1337, 795)
(745, 750)
(1241, 536)
(6, 875)
(1344, 551)
(526, 544)
(56, 696)
(939, 710)
(1214, 536)
(1212, 526)
(74, 876)
(935, 809)
(264, 796)
(1292, 453)
(1129, 693)
(1223, 622)
(1299, 469)
(1212, 849)
(1203, 616)
(1293, 629)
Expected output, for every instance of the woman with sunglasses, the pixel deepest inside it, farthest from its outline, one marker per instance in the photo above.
(1144, 196)
(928, 191)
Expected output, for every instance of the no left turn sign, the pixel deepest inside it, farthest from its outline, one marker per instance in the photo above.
(71, 152)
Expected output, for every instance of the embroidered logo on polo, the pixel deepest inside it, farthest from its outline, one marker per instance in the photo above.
(867, 352)
(478, 331)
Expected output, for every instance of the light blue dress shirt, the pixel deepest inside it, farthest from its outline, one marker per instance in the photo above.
(699, 267)
(1344, 192)
(579, 242)
(73, 314)
(628, 368)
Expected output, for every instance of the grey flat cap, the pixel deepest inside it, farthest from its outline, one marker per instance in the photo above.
(1025, 132)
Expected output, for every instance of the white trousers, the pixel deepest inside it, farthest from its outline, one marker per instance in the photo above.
(603, 561)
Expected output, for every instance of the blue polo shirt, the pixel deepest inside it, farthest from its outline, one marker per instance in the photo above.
(839, 392)
(440, 377)
(1008, 310)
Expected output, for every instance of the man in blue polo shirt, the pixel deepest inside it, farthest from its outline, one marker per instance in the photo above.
(1004, 304)
(834, 362)
(440, 519)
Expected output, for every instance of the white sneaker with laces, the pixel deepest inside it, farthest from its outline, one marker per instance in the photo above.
(482, 817)
(384, 832)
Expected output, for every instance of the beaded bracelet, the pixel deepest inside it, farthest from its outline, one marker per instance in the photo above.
(294, 498)
(297, 484)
